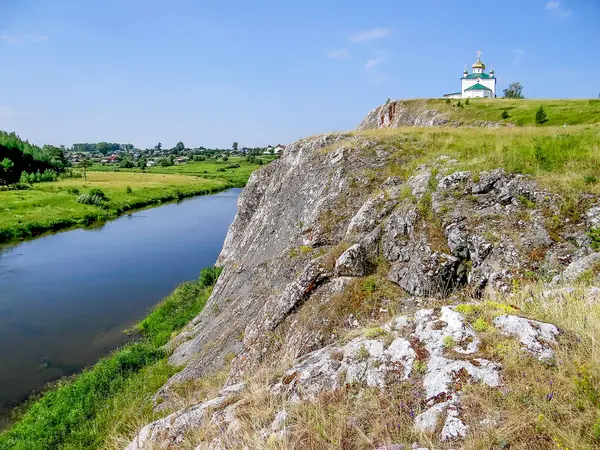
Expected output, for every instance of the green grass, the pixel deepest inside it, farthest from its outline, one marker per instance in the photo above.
(114, 395)
(237, 176)
(560, 159)
(559, 112)
(173, 313)
(53, 206)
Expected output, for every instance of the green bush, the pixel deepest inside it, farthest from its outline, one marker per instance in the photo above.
(98, 193)
(88, 199)
(21, 186)
(505, 114)
(73, 190)
(221, 169)
(46, 176)
(209, 275)
(232, 166)
(129, 190)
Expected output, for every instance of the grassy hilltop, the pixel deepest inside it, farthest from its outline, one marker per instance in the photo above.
(485, 112)
(571, 112)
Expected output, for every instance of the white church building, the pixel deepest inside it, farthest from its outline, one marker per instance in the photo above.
(477, 84)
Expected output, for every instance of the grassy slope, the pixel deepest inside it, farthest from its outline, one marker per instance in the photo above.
(559, 112)
(540, 406)
(114, 396)
(565, 160)
(50, 206)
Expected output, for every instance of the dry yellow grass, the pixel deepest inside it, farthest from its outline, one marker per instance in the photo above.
(540, 406)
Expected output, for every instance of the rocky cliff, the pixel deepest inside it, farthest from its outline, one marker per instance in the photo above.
(357, 275)
(417, 113)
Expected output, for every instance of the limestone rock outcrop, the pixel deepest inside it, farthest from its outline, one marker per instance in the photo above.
(319, 227)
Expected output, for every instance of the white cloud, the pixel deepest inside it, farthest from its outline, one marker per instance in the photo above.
(13, 39)
(559, 9)
(372, 62)
(370, 35)
(340, 53)
(9, 39)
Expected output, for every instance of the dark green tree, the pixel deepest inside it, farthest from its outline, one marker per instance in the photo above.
(179, 147)
(505, 114)
(234, 146)
(514, 90)
(540, 116)
(56, 157)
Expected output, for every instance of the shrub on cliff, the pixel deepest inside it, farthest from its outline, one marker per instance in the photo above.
(209, 275)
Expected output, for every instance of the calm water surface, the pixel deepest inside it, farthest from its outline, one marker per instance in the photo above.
(65, 298)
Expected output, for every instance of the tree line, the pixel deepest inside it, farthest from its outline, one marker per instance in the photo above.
(105, 148)
(18, 156)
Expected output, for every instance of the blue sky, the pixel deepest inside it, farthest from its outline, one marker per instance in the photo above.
(263, 71)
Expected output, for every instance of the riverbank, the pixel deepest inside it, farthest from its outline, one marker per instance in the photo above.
(54, 206)
(92, 408)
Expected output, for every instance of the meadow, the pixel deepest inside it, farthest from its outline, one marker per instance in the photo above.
(53, 206)
(520, 111)
(209, 169)
(563, 160)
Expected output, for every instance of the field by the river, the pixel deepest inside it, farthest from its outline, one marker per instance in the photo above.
(210, 168)
(53, 206)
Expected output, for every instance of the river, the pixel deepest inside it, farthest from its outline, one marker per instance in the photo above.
(66, 298)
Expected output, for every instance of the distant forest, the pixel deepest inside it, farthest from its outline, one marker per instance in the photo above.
(18, 156)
